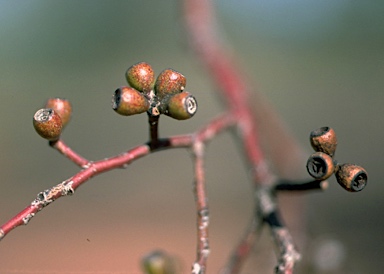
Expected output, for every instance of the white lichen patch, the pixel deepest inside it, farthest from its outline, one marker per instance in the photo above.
(47, 196)
(67, 188)
(27, 218)
(196, 268)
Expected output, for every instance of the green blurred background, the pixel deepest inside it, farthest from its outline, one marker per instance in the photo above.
(318, 62)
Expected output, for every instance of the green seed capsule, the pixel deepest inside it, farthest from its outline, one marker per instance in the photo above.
(47, 124)
(141, 77)
(181, 106)
(169, 82)
(128, 101)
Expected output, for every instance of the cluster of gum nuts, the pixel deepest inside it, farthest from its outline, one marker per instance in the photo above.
(162, 95)
(321, 164)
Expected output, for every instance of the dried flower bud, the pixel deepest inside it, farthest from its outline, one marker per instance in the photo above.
(169, 82)
(320, 166)
(351, 177)
(181, 106)
(141, 77)
(324, 140)
(47, 124)
(61, 107)
(128, 101)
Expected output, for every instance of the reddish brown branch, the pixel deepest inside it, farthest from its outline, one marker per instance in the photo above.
(91, 169)
(60, 146)
(244, 248)
(69, 186)
(203, 250)
(200, 24)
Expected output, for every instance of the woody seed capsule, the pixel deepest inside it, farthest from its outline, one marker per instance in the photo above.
(61, 107)
(324, 140)
(320, 166)
(47, 124)
(351, 177)
(141, 77)
(169, 82)
(128, 101)
(181, 106)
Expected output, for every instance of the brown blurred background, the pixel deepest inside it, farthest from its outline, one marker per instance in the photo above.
(317, 63)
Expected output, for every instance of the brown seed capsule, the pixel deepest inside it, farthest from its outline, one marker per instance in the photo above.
(128, 101)
(47, 124)
(181, 106)
(141, 77)
(351, 177)
(324, 140)
(61, 107)
(320, 166)
(168, 82)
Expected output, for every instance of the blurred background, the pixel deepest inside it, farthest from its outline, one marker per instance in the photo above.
(319, 63)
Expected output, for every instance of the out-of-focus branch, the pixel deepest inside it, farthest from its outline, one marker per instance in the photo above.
(202, 209)
(229, 77)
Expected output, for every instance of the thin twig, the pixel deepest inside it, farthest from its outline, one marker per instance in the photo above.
(60, 146)
(69, 186)
(267, 210)
(153, 121)
(91, 169)
(244, 248)
(199, 267)
(288, 185)
(199, 19)
(228, 76)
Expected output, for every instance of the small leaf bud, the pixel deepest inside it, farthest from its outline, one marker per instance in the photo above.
(169, 82)
(351, 177)
(320, 166)
(141, 77)
(47, 124)
(61, 107)
(128, 101)
(181, 106)
(324, 140)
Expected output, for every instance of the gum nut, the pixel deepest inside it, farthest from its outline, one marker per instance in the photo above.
(128, 101)
(47, 124)
(181, 106)
(62, 107)
(141, 77)
(324, 140)
(320, 166)
(170, 81)
(351, 177)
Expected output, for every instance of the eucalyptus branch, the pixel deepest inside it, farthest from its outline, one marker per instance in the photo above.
(93, 168)
(166, 95)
